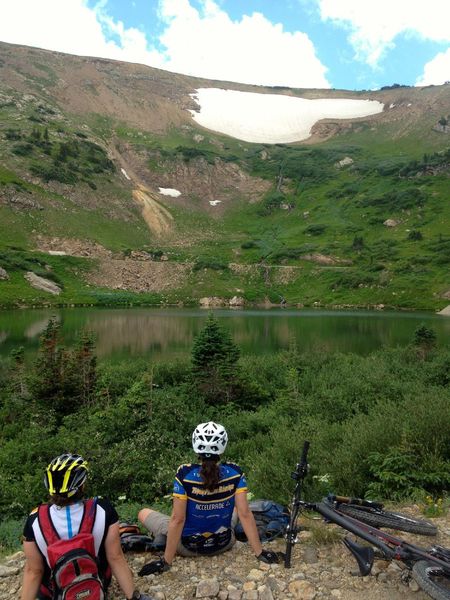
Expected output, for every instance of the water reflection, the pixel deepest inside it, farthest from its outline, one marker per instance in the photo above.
(166, 333)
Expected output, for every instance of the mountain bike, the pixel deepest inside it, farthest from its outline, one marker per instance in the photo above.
(430, 567)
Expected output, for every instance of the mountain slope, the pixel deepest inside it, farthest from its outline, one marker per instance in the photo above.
(107, 183)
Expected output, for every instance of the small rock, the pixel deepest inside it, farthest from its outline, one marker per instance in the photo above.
(310, 555)
(207, 588)
(413, 585)
(255, 575)
(3, 274)
(265, 593)
(302, 590)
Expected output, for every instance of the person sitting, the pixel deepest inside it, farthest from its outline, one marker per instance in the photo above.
(62, 518)
(205, 497)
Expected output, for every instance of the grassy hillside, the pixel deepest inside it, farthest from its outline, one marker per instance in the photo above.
(293, 221)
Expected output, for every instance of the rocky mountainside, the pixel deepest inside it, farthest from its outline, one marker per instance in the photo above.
(105, 155)
(319, 572)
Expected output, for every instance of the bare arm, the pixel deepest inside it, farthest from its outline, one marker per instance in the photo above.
(33, 571)
(117, 561)
(248, 522)
(176, 525)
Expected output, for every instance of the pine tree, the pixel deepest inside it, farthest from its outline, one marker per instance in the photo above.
(215, 362)
(63, 380)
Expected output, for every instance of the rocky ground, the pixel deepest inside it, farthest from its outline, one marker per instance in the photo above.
(324, 571)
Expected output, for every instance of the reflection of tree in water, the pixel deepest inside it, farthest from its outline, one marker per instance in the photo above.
(39, 327)
(163, 334)
(139, 334)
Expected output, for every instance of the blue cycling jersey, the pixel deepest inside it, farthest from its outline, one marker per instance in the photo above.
(208, 513)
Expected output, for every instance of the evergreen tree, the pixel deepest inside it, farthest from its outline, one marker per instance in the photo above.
(45, 383)
(215, 362)
(424, 340)
(63, 381)
(358, 243)
(82, 371)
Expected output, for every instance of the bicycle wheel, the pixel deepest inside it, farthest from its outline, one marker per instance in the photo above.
(383, 518)
(432, 580)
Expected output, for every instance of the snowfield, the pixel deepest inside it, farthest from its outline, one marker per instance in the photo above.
(272, 118)
(169, 192)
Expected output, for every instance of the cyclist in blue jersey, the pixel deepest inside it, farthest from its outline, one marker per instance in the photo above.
(208, 499)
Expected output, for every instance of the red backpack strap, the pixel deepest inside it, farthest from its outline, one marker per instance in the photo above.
(88, 520)
(45, 523)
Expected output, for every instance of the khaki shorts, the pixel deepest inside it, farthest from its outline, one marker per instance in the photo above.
(158, 524)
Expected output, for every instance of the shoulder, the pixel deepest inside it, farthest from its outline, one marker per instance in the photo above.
(229, 469)
(28, 532)
(111, 515)
(184, 470)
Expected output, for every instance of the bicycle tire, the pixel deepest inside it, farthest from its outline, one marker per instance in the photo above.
(432, 580)
(383, 518)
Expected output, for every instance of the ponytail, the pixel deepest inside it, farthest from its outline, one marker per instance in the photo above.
(209, 472)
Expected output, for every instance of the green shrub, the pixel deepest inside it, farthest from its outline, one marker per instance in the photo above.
(24, 149)
(272, 201)
(396, 200)
(216, 264)
(315, 229)
(400, 474)
(10, 534)
(415, 235)
(248, 245)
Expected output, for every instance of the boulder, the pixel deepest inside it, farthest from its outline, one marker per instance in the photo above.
(3, 274)
(391, 223)
(345, 162)
(237, 301)
(211, 301)
(40, 283)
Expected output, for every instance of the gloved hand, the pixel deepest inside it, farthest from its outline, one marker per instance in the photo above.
(268, 556)
(155, 567)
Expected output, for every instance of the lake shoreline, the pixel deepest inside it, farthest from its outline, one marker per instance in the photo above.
(266, 305)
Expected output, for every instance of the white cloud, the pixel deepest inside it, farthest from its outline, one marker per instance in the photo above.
(373, 26)
(251, 50)
(437, 71)
(205, 43)
(69, 26)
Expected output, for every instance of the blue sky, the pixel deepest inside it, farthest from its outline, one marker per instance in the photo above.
(350, 44)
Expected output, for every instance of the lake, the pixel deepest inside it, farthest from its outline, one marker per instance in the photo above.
(168, 333)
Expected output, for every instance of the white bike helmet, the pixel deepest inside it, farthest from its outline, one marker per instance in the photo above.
(209, 438)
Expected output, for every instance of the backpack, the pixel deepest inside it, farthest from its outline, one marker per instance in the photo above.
(271, 519)
(74, 566)
(132, 540)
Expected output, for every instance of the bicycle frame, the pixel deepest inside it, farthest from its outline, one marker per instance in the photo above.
(391, 547)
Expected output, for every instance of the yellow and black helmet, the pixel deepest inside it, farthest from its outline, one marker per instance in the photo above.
(65, 474)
